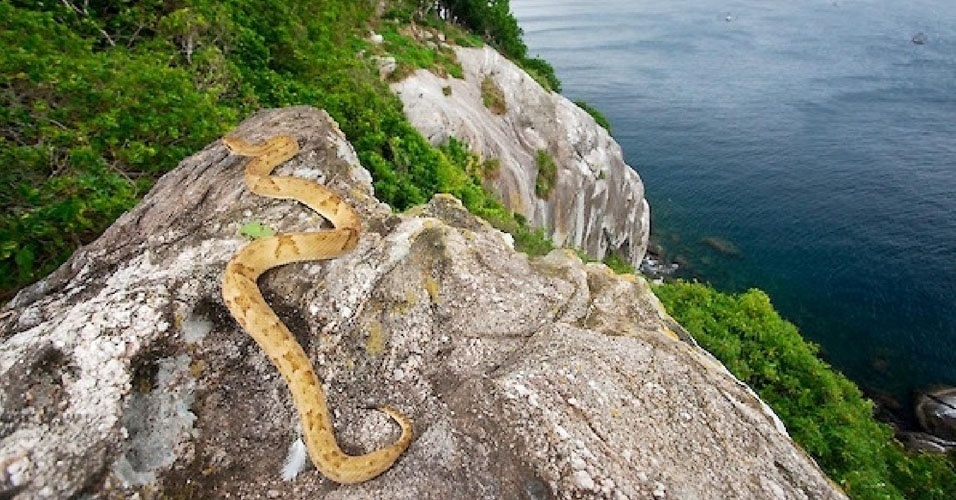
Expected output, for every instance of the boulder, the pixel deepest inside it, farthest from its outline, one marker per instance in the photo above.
(936, 412)
(123, 375)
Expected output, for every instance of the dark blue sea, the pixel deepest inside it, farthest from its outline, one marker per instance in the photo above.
(813, 140)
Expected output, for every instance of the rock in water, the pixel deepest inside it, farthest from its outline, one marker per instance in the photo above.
(122, 373)
(936, 412)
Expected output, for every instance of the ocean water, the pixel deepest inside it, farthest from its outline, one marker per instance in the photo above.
(812, 139)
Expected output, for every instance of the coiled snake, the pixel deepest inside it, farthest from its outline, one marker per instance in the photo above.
(244, 300)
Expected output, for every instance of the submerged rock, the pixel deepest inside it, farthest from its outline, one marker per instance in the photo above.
(721, 246)
(123, 374)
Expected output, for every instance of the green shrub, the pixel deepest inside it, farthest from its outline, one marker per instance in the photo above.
(598, 117)
(547, 174)
(87, 130)
(823, 410)
(99, 102)
(412, 54)
(618, 264)
(493, 20)
(493, 97)
(542, 72)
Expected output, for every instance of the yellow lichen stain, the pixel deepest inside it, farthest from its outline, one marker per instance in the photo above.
(401, 306)
(616, 412)
(375, 343)
(197, 367)
(433, 289)
(670, 333)
(628, 277)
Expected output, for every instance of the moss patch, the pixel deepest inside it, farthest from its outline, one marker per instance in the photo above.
(493, 97)
(547, 174)
(375, 342)
(433, 289)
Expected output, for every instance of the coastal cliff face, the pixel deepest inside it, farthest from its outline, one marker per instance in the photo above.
(597, 202)
(122, 373)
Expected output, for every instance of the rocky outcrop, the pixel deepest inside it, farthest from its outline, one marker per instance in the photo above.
(936, 412)
(597, 203)
(122, 373)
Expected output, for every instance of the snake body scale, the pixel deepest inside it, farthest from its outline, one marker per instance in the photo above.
(244, 300)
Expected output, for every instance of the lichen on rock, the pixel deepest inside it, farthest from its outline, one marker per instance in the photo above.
(123, 374)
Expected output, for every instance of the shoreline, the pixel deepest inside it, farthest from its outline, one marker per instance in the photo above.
(901, 415)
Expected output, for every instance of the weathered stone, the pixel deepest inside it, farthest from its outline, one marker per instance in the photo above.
(921, 441)
(598, 201)
(936, 412)
(122, 373)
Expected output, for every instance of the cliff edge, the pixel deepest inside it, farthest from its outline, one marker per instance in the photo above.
(594, 202)
(123, 374)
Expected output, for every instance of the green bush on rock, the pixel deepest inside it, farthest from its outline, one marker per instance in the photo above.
(547, 174)
(823, 410)
(596, 114)
(101, 101)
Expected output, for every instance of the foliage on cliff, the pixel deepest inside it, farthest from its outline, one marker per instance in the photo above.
(823, 410)
(100, 99)
(494, 22)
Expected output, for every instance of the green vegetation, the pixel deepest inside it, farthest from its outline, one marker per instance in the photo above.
(493, 97)
(416, 49)
(100, 99)
(479, 169)
(618, 264)
(493, 21)
(83, 135)
(598, 117)
(823, 411)
(547, 174)
(529, 240)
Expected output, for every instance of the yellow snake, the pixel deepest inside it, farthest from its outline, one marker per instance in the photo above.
(243, 298)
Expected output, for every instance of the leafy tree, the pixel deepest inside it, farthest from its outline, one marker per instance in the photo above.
(493, 20)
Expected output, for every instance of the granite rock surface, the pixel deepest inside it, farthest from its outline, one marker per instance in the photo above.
(123, 375)
(597, 202)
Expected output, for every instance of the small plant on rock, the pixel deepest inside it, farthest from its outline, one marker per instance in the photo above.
(493, 97)
(547, 174)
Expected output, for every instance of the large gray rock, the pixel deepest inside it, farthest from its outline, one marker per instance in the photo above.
(123, 375)
(598, 202)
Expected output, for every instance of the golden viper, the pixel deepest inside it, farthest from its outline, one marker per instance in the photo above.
(244, 300)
